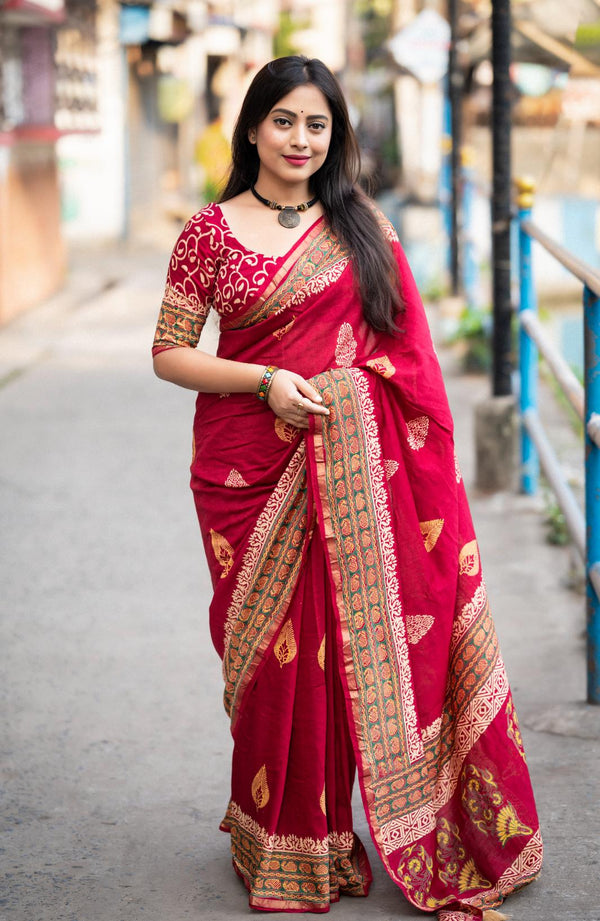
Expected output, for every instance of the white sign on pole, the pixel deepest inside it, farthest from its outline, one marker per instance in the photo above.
(422, 46)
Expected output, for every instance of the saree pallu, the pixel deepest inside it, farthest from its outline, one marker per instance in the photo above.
(351, 614)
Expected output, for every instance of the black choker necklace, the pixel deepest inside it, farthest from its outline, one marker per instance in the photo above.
(288, 214)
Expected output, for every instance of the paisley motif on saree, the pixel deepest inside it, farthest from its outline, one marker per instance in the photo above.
(353, 621)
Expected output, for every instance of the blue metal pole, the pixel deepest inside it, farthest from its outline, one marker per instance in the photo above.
(591, 313)
(470, 273)
(528, 357)
(445, 190)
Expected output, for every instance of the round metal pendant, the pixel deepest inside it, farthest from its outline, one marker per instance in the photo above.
(288, 217)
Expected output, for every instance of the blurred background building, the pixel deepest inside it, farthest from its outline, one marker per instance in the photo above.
(116, 116)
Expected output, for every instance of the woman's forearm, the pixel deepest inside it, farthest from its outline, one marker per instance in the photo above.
(197, 370)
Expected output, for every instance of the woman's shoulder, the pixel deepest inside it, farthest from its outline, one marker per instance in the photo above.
(203, 221)
(198, 246)
(387, 228)
(203, 234)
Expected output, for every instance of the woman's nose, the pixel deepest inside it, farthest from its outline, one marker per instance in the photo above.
(299, 138)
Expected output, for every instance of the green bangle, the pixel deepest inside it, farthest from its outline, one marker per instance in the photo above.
(265, 382)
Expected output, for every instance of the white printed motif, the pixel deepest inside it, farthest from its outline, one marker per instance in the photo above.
(390, 467)
(417, 625)
(235, 479)
(457, 472)
(345, 350)
(432, 731)
(417, 432)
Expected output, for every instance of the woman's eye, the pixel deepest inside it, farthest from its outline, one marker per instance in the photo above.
(281, 121)
(318, 125)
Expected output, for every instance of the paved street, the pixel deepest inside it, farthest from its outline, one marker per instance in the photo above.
(115, 747)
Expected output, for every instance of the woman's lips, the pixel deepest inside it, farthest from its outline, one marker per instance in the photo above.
(297, 161)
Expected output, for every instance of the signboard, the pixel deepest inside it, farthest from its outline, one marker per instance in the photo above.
(51, 9)
(422, 46)
(581, 100)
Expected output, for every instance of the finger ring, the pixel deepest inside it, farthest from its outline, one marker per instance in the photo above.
(300, 406)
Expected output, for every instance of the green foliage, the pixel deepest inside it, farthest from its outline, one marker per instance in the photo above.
(390, 154)
(557, 532)
(561, 398)
(588, 35)
(473, 324)
(211, 191)
(283, 40)
(473, 332)
(434, 290)
(382, 8)
(376, 20)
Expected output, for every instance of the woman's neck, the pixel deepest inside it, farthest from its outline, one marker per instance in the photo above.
(284, 193)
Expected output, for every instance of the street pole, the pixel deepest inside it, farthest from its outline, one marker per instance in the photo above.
(495, 418)
(501, 199)
(454, 98)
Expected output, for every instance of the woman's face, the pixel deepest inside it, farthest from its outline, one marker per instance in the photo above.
(293, 140)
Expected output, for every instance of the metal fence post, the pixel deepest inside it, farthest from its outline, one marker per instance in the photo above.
(445, 192)
(470, 270)
(591, 313)
(455, 90)
(502, 94)
(528, 356)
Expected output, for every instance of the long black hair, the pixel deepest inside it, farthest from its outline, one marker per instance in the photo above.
(347, 208)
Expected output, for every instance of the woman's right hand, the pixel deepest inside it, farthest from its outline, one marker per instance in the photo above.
(292, 398)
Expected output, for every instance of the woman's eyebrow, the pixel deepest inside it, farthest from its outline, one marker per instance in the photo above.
(291, 114)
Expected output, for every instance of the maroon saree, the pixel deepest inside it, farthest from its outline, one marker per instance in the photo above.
(349, 606)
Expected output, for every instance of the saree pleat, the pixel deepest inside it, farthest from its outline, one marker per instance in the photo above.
(350, 609)
(293, 765)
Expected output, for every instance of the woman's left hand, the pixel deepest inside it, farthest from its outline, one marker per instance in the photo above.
(292, 398)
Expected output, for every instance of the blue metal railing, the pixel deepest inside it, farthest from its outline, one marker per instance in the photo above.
(470, 184)
(535, 447)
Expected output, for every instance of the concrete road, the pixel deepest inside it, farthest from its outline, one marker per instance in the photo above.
(115, 746)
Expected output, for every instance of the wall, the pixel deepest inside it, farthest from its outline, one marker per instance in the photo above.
(32, 253)
(92, 166)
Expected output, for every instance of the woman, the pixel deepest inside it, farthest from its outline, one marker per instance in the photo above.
(349, 607)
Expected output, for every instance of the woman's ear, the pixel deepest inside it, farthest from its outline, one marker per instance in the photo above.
(252, 135)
